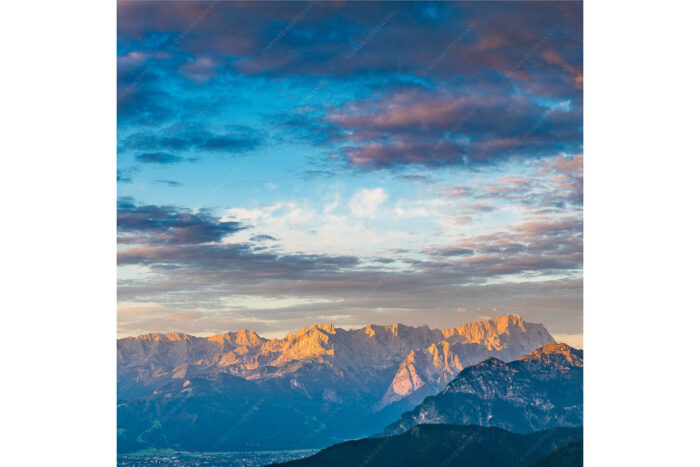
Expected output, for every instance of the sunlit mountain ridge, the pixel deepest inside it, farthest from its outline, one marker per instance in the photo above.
(426, 358)
(319, 385)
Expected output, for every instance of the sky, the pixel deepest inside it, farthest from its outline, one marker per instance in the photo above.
(284, 164)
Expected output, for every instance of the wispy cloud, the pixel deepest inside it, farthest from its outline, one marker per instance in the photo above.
(366, 202)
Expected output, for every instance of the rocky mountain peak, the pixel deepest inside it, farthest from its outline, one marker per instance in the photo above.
(163, 337)
(554, 347)
(503, 323)
(556, 352)
(243, 337)
(494, 332)
(316, 329)
(490, 362)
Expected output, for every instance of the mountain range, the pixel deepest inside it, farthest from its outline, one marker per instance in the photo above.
(312, 388)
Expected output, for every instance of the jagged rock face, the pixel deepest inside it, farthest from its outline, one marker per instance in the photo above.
(431, 368)
(331, 382)
(536, 391)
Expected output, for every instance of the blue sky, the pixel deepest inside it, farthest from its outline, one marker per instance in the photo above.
(281, 164)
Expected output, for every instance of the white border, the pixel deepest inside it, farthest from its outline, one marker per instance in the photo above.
(640, 253)
(58, 198)
(58, 230)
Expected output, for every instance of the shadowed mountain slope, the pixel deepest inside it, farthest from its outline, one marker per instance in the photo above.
(443, 445)
(569, 455)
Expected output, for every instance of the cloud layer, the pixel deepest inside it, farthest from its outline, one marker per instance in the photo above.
(353, 162)
(167, 225)
(450, 83)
